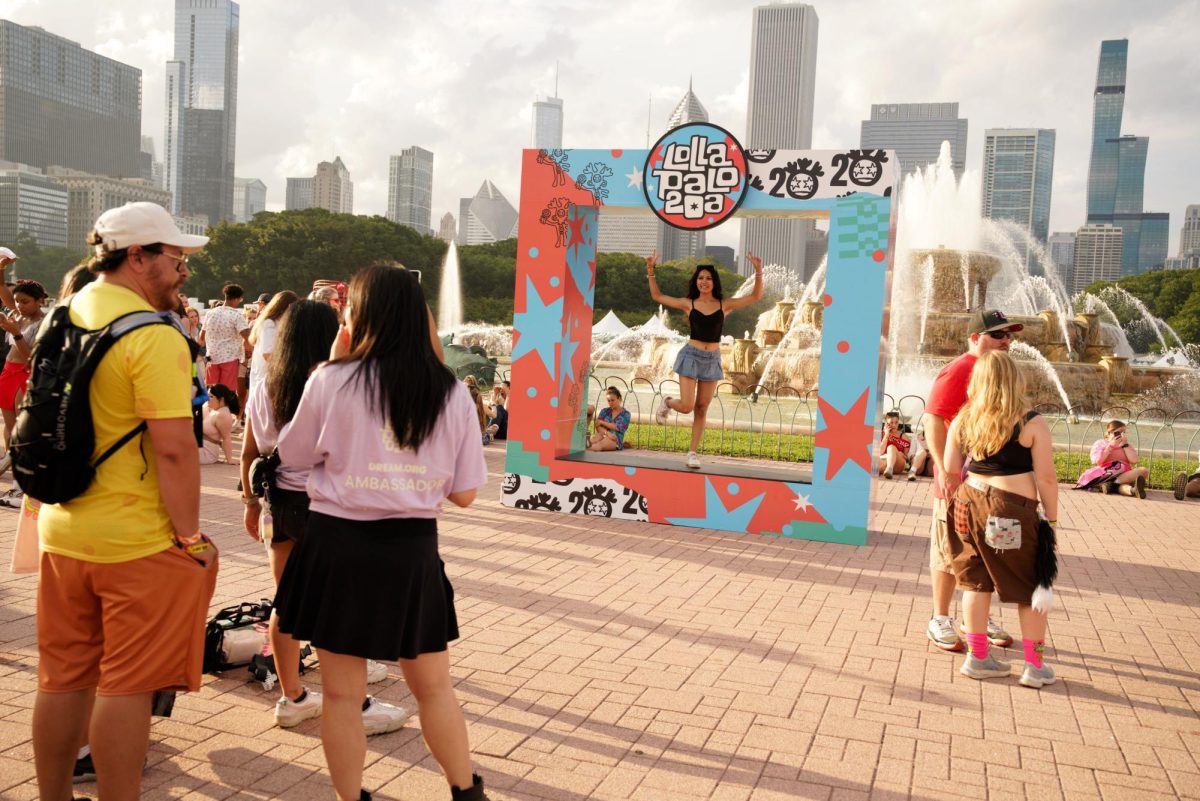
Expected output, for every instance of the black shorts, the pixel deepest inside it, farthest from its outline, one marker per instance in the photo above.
(375, 588)
(289, 515)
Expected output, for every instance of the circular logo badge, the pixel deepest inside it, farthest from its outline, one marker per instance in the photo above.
(695, 176)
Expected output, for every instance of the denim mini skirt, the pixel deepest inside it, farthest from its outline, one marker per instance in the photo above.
(702, 365)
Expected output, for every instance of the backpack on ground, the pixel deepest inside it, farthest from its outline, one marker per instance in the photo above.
(54, 438)
(237, 636)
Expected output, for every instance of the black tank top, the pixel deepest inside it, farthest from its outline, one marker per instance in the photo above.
(1011, 460)
(706, 327)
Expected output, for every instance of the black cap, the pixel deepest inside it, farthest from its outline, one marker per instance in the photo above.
(265, 297)
(991, 320)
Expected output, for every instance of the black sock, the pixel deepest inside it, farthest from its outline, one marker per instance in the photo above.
(303, 694)
(366, 703)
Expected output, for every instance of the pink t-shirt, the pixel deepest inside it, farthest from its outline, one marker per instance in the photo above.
(262, 423)
(358, 470)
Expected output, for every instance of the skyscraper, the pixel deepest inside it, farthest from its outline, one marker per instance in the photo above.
(32, 203)
(1097, 255)
(299, 194)
(63, 105)
(779, 115)
(487, 217)
(1018, 166)
(548, 123)
(410, 189)
(1061, 245)
(1117, 169)
(916, 132)
(332, 188)
(249, 198)
(448, 228)
(1189, 235)
(201, 108)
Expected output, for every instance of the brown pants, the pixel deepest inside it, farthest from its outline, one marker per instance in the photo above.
(997, 541)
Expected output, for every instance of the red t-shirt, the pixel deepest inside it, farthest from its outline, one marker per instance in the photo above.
(948, 395)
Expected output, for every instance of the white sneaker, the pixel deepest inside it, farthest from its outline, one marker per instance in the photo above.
(693, 460)
(376, 671)
(380, 718)
(12, 499)
(289, 713)
(664, 411)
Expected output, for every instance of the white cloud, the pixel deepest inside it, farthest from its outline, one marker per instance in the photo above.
(365, 79)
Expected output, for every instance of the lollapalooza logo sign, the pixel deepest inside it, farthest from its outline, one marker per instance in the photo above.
(695, 176)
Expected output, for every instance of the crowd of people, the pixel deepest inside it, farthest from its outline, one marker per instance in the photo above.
(353, 436)
(333, 390)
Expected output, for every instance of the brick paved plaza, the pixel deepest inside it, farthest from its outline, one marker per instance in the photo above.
(616, 660)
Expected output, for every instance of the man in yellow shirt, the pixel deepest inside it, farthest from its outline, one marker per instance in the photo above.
(125, 577)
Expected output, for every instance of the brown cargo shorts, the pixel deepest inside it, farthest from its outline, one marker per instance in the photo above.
(941, 532)
(998, 541)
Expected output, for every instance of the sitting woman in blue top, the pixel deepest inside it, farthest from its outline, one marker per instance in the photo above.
(611, 423)
(699, 362)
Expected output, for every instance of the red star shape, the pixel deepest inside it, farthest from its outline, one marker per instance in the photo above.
(847, 436)
(592, 283)
(575, 235)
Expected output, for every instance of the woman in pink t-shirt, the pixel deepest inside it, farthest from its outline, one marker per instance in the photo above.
(387, 434)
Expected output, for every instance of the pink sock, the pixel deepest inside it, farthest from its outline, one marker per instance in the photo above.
(1033, 651)
(978, 643)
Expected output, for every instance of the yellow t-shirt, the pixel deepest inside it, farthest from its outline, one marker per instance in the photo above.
(147, 375)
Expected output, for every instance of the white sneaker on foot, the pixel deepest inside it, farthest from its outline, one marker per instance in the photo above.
(693, 460)
(289, 713)
(380, 718)
(376, 671)
(664, 411)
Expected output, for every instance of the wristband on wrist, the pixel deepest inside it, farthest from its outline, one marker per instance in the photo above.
(184, 542)
(251, 500)
(199, 547)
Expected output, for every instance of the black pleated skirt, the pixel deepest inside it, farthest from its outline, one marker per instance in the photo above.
(375, 588)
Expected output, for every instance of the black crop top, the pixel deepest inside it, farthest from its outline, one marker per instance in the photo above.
(1011, 460)
(706, 327)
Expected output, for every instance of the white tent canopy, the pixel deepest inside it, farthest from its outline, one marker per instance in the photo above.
(611, 325)
(656, 327)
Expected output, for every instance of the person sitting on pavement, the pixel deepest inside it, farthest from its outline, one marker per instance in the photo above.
(893, 446)
(218, 425)
(611, 424)
(919, 462)
(1186, 485)
(1114, 465)
(1003, 547)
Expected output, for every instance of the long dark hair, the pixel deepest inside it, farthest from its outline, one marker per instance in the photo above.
(404, 379)
(75, 279)
(694, 291)
(224, 393)
(306, 331)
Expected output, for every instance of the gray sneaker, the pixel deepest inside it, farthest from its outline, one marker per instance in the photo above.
(990, 668)
(1178, 484)
(1037, 677)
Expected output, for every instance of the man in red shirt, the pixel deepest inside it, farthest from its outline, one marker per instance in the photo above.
(988, 330)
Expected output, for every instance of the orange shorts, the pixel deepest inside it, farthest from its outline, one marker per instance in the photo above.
(123, 628)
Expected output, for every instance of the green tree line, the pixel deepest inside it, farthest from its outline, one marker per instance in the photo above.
(1171, 295)
(292, 249)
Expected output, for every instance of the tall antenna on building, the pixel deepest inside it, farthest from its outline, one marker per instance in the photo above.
(649, 105)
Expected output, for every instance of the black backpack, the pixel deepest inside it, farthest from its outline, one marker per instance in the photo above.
(53, 440)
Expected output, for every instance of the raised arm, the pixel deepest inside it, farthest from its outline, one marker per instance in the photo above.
(733, 304)
(6, 295)
(679, 304)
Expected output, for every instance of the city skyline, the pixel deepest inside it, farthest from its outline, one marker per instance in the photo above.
(437, 91)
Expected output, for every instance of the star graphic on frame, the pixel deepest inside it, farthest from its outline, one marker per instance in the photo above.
(576, 237)
(717, 515)
(566, 353)
(635, 177)
(847, 436)
(802, 503)
(540, 327)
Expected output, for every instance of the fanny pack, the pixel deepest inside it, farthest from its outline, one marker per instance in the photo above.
(264, 472)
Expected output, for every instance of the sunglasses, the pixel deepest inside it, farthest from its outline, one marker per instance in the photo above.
(999, 334)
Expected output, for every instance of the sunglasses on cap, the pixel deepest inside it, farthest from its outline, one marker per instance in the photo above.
(1000, 334)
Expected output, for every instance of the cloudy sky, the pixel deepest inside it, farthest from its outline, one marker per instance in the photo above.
(365, 78)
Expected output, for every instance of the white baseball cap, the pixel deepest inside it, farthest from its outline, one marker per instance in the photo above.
(144, 224)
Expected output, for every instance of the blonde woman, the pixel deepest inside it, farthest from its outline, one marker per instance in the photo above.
(1004, 547)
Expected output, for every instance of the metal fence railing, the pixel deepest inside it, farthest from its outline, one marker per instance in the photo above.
(778, 424)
